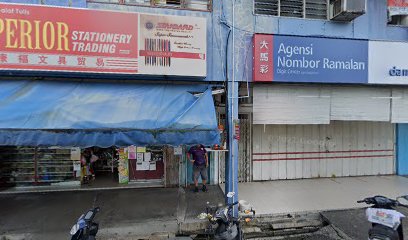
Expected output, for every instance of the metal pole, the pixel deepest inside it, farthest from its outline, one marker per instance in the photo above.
(231, 183)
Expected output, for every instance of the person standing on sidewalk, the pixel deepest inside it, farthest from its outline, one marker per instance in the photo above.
(198, 156)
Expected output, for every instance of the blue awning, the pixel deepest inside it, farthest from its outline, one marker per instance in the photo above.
(42, 113)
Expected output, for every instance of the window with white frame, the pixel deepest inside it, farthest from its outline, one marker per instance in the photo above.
(315, 9)
(204, 5)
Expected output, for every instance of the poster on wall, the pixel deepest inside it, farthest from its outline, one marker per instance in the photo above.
(282, 58)
(75, 153)
(178, 151)
(397, 7)
(46, 38)
(147, 157)
(142, 166)
(152, 166)
(131, 152)
(141, 149)
(76, 166)
(139, 157)
(123, 166)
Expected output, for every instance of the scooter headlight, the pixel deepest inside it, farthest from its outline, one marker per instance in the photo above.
(74, 229)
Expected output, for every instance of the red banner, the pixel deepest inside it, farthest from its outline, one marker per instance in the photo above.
(263, 58)
(397, 7)
(397, 3)
(48, 38)
(81, 40)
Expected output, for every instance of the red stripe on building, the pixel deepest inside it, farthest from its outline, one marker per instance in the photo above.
(346, 151)
(319, 158)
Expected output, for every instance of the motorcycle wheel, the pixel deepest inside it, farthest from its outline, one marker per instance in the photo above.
(380, 232)
(78, 235)
(240, 235)
(228, 233)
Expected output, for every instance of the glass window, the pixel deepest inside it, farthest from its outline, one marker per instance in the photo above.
(398, 20)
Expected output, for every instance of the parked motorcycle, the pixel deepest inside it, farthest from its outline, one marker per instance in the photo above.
(385, 220)
(85, 228)
(228, 227)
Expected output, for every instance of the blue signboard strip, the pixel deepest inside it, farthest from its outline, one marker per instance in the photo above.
(322, 60)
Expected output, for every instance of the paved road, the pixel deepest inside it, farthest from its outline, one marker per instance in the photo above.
(124, 211)
(354, 222)
(129, 212)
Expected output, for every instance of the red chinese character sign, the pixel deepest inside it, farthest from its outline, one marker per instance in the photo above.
(263, 58)
(44, 38)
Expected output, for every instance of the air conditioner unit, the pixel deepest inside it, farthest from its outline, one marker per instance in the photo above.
(346, 10)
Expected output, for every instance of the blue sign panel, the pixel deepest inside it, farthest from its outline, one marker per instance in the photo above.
(323, 60)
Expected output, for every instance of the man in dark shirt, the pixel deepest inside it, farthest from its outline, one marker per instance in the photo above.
(198, 156)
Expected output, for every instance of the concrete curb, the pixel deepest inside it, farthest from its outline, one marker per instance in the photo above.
(69, 189)
(140, 231)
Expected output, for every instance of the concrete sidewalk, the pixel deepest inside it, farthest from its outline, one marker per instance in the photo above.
(125, 213)
(311, 195)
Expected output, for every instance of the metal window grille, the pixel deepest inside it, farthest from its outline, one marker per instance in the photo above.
(176, 3)
(267, 7)
(291, 8)
(203, 5)
(315, 9)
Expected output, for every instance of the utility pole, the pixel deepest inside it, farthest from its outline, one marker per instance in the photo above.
(231, 183)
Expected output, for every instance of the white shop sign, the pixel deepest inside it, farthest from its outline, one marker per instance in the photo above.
(388, 63)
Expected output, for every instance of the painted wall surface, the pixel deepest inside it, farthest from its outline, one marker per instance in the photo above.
(402, 149)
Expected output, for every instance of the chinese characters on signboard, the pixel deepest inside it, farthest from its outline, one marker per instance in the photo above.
(263, 58)
(309, 59)
(42, 38)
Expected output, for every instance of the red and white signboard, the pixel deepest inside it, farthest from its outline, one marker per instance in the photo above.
(40, 38)
(398, 7)
(263, 58)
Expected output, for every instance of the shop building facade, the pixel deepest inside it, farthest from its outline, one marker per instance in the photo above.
(342, 116)
(326, 98)
(133, 93)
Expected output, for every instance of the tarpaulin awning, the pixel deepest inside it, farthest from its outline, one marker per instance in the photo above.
(43, 113)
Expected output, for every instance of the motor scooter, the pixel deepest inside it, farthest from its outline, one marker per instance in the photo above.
(228, 227)
(85, 228)
(385, 219)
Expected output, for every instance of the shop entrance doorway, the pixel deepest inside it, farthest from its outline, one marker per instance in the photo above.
(102, 167)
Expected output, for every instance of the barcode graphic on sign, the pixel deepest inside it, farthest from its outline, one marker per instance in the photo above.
(158, 52)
